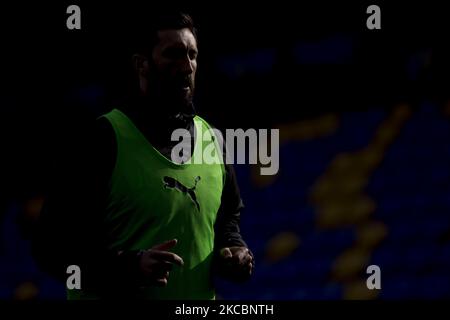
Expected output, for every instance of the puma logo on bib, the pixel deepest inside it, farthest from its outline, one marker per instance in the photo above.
(172, 183)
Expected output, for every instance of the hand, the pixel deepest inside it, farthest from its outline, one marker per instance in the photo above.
(237, 263)
(156, 263)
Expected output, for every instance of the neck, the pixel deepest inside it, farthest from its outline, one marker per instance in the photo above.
(145, 108)
(156, 124)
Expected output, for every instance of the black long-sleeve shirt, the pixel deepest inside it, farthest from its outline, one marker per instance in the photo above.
(70, 228)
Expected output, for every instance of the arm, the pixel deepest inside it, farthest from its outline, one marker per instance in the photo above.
(233, 259)
(69, 231)
(229, 215)
(70, 227)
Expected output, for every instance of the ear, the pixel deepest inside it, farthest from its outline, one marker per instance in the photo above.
(140, 64)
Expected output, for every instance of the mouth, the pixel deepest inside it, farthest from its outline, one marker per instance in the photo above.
(185, 90)
(184, 85)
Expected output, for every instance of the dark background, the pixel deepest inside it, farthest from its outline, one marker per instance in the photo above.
(363, 118)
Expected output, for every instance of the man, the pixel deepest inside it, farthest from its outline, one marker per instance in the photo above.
(136, 223)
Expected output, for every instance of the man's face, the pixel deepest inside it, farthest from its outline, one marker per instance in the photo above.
(173, 66)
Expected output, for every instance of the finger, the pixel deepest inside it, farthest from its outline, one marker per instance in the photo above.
(239, 253)
(161, 274)
(244, 266)
(165, 246)
(226, 253)
(246, 259)
(165, 266)
(239, 256)
(161, 282)
(244, 252)
(167, 256)
(247, 269)
(159, 270)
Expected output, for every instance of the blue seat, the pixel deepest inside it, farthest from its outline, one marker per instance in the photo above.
(435, 286)
(418, 259)
(399, 287)
(328, 292)
(50, 289)
(443, 260)
(390, 259)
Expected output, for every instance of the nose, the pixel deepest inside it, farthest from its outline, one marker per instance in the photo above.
(187, 66)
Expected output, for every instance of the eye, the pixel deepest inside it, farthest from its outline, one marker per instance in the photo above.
(193, 54)
(173, 53)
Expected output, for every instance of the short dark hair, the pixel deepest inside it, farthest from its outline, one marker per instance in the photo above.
(146, 30)
(139, 34)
